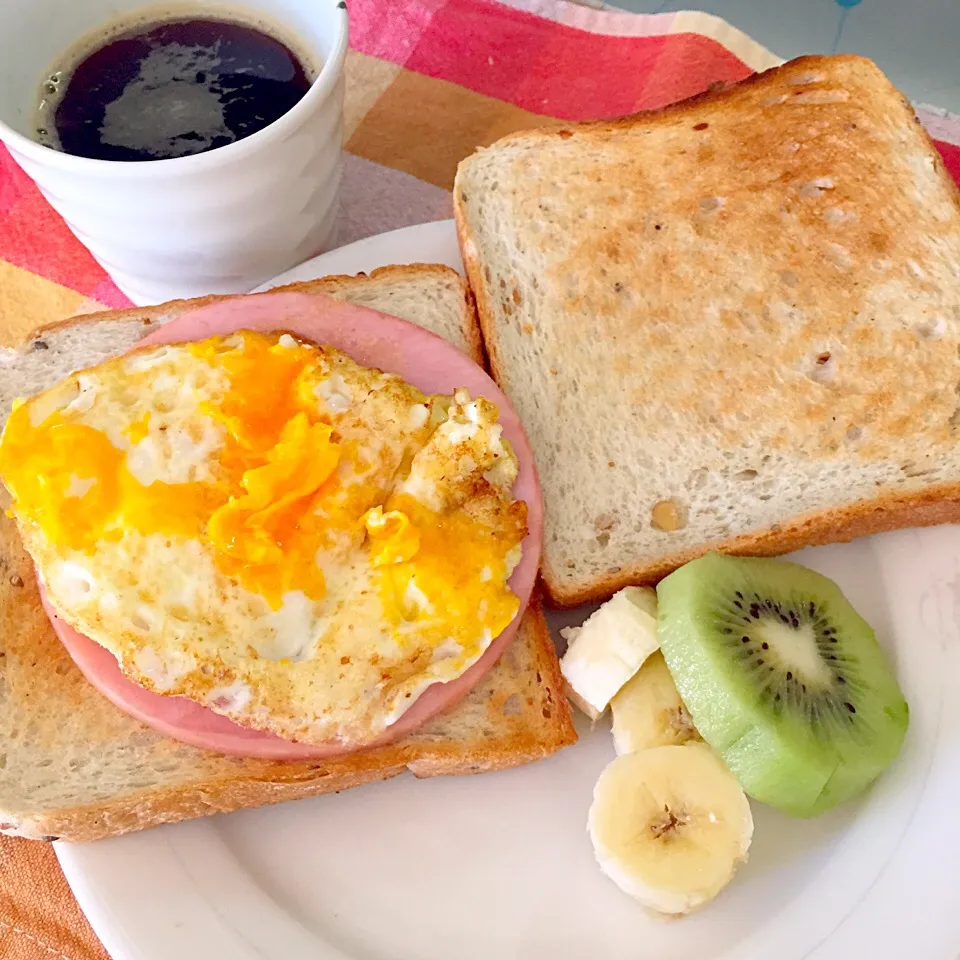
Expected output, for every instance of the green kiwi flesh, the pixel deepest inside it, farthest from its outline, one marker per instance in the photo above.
(783, 678)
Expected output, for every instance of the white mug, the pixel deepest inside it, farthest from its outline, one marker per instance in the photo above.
(216, 222)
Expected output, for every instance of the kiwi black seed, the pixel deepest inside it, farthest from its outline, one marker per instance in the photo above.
(782, 677)
(786, 689)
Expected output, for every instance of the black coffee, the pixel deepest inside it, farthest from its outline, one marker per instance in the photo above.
(170, 89)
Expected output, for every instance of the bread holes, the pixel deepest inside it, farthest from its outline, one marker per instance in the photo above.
(698, 479)
(854, 433)
(711, 204)
(604, 521)
(775, 101)
(815, 188)
(746, 475)
(512, 706)
(932, 328)
(824, 367)
(701, 126)
(788, 278)
(912, 470)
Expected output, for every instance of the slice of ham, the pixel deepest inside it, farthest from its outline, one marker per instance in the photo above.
(374, 340)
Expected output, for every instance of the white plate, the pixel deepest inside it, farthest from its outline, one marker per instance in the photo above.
(499, 867)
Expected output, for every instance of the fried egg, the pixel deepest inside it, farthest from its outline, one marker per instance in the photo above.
(264, 526)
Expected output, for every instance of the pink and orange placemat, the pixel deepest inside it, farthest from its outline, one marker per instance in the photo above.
(427, 82)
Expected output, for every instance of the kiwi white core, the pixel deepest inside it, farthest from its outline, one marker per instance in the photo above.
(795, 648)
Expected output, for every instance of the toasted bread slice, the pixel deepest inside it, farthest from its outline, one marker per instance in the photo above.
(732, 324)
(76, 767)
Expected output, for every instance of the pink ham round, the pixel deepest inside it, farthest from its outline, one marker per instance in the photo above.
(374, 340)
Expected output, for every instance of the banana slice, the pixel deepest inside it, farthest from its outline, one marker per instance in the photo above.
(609, 648)
(669, 826)
(648, 712)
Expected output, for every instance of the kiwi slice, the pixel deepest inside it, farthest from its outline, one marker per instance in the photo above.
(783, 678)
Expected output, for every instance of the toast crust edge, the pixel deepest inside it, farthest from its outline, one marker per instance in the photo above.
(930, 507)
(469, 329)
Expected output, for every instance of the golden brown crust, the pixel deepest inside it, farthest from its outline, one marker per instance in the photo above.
(893, 511)
(329, 285)
(483, 310)
(714, 95)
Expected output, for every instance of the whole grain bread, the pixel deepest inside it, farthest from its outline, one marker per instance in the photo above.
(73, 766)
(732, 324)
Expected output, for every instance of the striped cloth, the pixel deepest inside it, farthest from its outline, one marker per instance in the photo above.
(428, 82)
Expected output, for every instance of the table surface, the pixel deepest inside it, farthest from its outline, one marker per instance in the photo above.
(913, 42)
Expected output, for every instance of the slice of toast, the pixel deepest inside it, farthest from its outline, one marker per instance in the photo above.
(732, 324)
(74, 766)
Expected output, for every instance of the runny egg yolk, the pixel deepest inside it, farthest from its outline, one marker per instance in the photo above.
(444, 572)
(258, 516)
(276, 499)
(393, 539)
(43, 467)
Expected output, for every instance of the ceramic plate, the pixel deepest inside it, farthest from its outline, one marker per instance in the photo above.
(500, 866)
